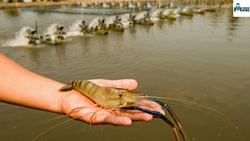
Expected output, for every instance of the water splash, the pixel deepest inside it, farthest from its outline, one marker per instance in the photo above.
(166, 12)
(110, 20)
(140, 15)
(51, 31)
(185, 9)
(177, 11)
(20, 38)
(105, 5)
(94, 23)
(125, 20)
(154, 15)
(84, 4)
(120, 4)
(130, 5)
(149, 5)
(125, 17)
(138, 4)
(75, 28)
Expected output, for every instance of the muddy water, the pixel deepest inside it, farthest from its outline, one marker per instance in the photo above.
(204, 59)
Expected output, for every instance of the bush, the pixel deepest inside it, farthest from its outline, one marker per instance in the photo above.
(11, 1)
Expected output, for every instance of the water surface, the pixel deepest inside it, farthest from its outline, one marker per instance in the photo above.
(204, 59)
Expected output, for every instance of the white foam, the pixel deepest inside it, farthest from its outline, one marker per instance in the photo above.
(84, 4)
(140, 15)
(20, 38)
(94, 23)
(130, 5)
(120, 4)
(105, 5)
(110, 20)
(74, 30)
(149, 5)
(51, 30)
(138, 4)
(154, 15)
(125, 20)
(166, 12)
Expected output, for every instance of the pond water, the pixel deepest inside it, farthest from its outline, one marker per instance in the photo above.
(204, 59)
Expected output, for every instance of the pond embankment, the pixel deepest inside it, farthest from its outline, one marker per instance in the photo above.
(31, 4)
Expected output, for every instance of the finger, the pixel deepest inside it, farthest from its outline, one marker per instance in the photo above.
(108, 118)
(129, 84)
(117, 120)
(123, 117)
(102, 117)
(137, 115)
(149, 103)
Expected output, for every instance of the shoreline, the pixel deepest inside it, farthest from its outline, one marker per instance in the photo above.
(31, 4)
(40, 4)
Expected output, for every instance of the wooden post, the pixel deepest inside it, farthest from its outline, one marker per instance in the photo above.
(134, 7)
(81, 13)
(68, 7)
(36, 30)
(102, 10)
(39, 6)
(107, 19)
(125, 5)
(140, 6)
(56, 36)
(112, 9)
(17, 5)
(56, 28)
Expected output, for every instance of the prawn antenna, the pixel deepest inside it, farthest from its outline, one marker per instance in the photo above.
(61, 123)
(226, 118)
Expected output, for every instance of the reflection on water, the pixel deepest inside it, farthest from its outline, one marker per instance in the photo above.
(170, 22)
(12, 12)
(160, 24)
(132, 30)
(204, 59)
(232, 25)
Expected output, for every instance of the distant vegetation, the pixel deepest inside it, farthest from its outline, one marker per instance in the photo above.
(11, 1)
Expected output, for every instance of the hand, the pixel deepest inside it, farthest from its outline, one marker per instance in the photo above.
(74, 99)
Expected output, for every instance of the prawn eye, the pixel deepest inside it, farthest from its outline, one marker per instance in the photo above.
(120, 95)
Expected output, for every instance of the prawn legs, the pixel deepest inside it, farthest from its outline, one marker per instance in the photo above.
(175, 127)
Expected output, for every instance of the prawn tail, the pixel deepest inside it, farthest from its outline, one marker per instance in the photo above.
(66, 88)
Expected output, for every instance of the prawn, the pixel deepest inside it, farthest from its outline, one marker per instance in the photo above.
(111, 98)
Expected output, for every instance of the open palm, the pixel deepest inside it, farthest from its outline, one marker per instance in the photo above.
(75, 99)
